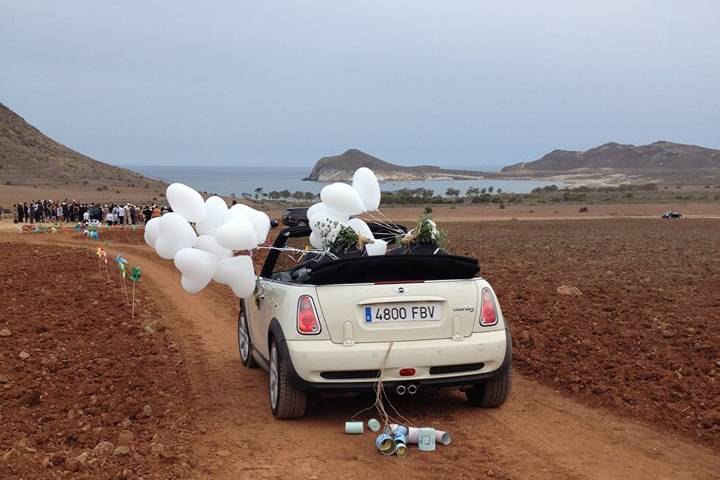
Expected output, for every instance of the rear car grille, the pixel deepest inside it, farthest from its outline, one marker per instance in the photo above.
(350, 374)
(466, 367)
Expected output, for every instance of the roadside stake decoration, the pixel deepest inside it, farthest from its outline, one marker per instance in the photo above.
(105, 261)
(121, 263)
(135, 275)
(99, 255)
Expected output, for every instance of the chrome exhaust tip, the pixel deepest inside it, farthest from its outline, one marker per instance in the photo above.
(412, 389)
(400, 389)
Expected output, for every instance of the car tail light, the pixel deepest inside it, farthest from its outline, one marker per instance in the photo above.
(488, 312)
(307, 320)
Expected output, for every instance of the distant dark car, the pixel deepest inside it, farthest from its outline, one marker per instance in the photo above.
(671, 214)
(295, 217)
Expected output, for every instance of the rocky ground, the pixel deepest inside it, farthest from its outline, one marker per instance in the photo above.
(85, 390)
(619, 316)
(637, 331)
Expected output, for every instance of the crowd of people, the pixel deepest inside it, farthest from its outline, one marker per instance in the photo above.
(70, 211)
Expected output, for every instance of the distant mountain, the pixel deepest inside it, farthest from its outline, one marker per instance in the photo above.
(659, 157)
(28, 157)
(341, 168)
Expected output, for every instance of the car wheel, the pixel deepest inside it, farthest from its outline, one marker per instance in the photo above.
(244, 342)
(286, 402)
(491, 394)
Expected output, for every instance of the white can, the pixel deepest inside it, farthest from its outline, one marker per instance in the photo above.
(426, 439)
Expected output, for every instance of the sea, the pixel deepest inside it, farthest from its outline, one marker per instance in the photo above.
(239, 180)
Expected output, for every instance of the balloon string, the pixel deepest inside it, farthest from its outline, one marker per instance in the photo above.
(392, 227)
(302, 252)
(381, 398)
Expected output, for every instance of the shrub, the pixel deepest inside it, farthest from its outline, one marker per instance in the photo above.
(583, 210)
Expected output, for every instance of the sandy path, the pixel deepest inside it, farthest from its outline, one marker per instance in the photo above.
(538, 434)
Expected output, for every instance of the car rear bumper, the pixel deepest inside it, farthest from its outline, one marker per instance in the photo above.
(444, 363)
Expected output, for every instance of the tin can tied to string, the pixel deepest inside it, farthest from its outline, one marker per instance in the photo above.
(400, 440)
(374, 425)
(354, 428)
(426, 439)
(384, 442)
(413, 435)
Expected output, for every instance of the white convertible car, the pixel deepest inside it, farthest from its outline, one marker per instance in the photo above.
(426, 319)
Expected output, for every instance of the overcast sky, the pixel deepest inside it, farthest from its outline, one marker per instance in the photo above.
(413, 82)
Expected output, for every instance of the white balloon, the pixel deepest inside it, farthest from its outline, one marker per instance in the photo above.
(175, 233)
(204, 228)
(216, 211)
(260, 221)
(321, 212)
(360, 227)
(315, 240)
(237, 233)
(377, 248)
(208, 244)
(238, 273)
(326, 220)
(366, 184)
(186, 202)
(197, 268)
(342, 198)
(152, 230)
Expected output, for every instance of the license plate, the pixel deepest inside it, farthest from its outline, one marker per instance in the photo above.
(402, 312)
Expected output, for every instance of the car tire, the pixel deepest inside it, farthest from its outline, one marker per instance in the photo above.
(244, 341)
(491, 394)
(286, 401)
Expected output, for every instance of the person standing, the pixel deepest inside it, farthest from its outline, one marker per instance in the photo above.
(147, 213)
(120, 211)
(133, 214)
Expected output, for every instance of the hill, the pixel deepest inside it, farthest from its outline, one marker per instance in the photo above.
(656, 158)
(341, 168)
(28, 157)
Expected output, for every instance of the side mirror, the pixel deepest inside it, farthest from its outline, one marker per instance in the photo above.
(273, 223)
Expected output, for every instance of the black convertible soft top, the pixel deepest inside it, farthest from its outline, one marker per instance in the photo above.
(393, 268)
(421, 262)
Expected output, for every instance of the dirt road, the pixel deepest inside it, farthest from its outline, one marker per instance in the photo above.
(538, 434)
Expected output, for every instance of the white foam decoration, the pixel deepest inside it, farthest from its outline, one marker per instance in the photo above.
(378, 247)
(186, 202)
